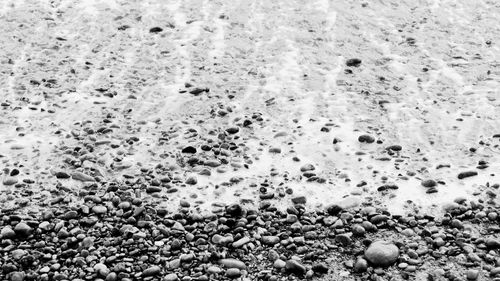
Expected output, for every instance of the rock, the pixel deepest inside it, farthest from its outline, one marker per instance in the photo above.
(354, 62)
(275, 150)
(9, 181)
(189, 150)
(99, 209)
(466, 174)
(62, 175)
(492, 243)
(382, 253)
(361, 265)
(366, 139)
(170, 277)
(307, 167)
(196, 91)
(23, 229)
(299, 200)
(241, 242)
(295, 267)
(101, 269)
(81, 177)
(395, 147)
(155, 29)
(472, 274)
(232, 263)
(232, 130)
(151, 271)
(7, 233)
(17, 276)
(428, 183)
(279, 264)
(234, 210)
(212, 163)
(233, 273)
(270, 240)
(191, 181)
(320, 268)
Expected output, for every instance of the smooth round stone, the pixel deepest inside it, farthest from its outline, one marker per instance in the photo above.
(361, 265)
(233, 273)
(171, 277)
(472, 274)
(99, 209)
(232, 263)
(382, 253)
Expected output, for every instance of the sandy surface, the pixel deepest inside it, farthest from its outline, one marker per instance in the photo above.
(89, 88)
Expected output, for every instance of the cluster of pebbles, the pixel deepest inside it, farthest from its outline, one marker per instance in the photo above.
(115, 235)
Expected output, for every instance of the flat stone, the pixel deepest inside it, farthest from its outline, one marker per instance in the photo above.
(232, 263)
(10, 181)
(81, 177)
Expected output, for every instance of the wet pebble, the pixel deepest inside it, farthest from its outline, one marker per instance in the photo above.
(382, 253)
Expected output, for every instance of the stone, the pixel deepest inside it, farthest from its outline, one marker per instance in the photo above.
(366, 139)
(99, 209)
(81, 177)
(62, 175)
(17, 276)
(295, 267)
(101, 269)
(354, 62)
(361, 265)
(22, 229)
(171, 277)
(307, 167)
(9, 181)
(472, 274)
(466, 174)
(189, 150)
(232, 263)
(151, 271)
(270, 240)
(382, 253)
(233, 273)
(7, 233)
(155, 29)
(428, 183)
(232, 130)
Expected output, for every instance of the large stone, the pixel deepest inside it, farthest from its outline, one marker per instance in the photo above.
(23, 229)
(382, 253)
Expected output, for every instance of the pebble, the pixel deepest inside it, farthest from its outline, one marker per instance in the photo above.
(81, 177)
(10, 181)
(233, 273)
(466, 174)
(366, 139)
(361, 265)
(22, 229)
(151, 271)
(382, 253)
(472, 274)
(353, 62)
(7, 233)
(170, 277)
(232, 263)
(428, 183)
(295, 267)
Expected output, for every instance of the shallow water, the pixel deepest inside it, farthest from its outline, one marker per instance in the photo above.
(284, 60)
